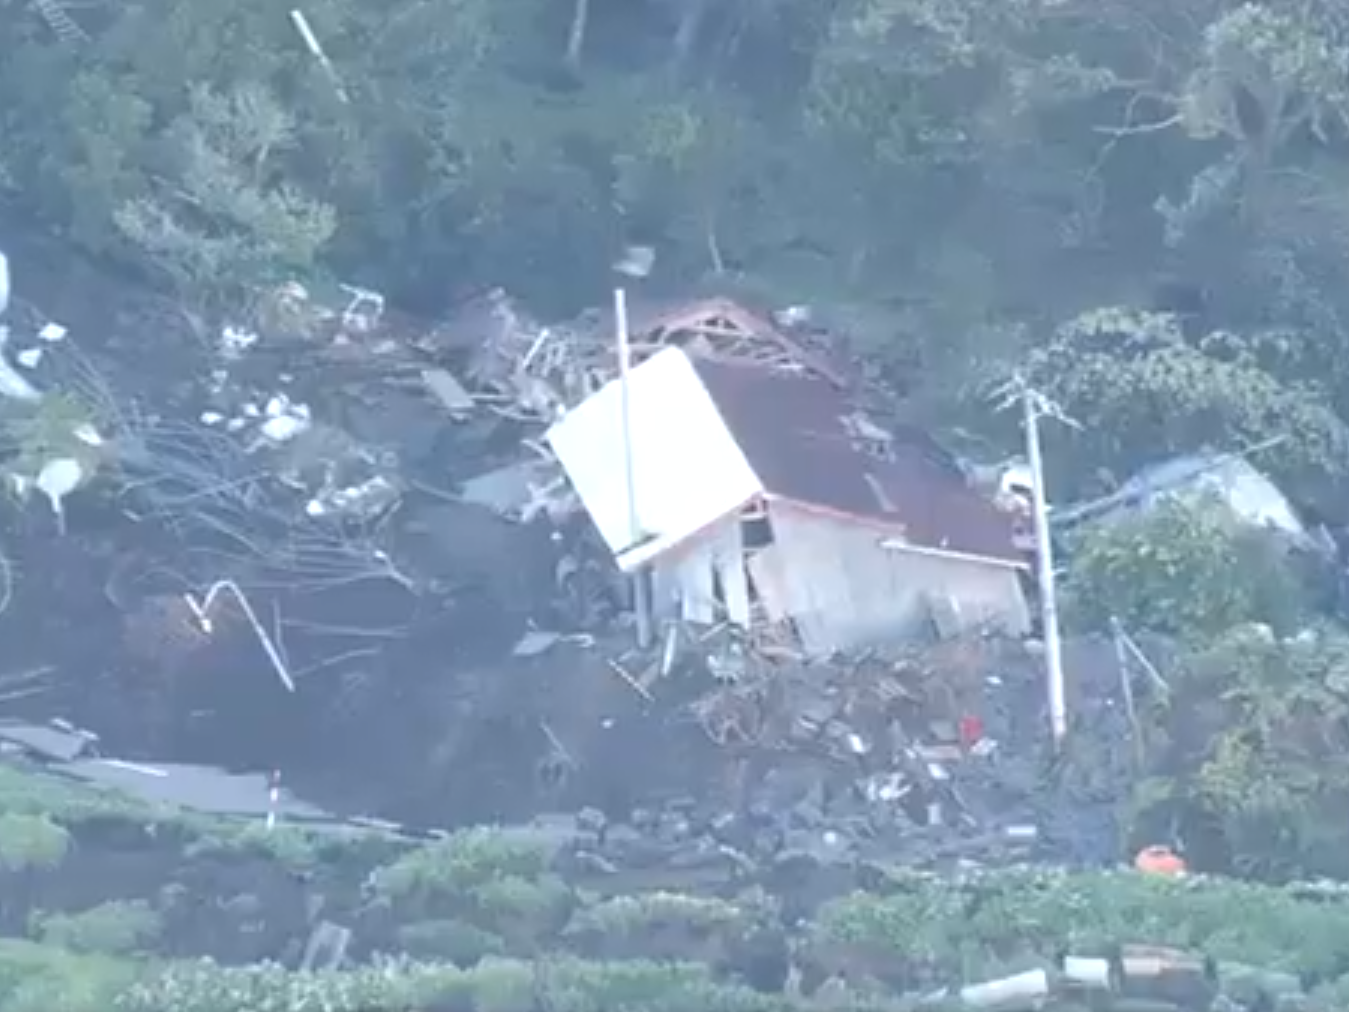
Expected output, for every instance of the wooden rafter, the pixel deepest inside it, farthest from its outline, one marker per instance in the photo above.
(727, 330)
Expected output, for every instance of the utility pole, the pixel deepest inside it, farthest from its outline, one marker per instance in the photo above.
(641, 592)
(1044, 571)
(1035, 406)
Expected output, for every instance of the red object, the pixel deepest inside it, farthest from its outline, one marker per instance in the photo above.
(971, 730)
(1160, 861)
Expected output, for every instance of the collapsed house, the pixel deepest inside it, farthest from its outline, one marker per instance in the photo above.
(763, 498)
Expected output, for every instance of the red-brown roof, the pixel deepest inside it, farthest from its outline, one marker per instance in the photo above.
(794, 431)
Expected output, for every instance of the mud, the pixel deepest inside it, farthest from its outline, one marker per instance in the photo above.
(409, 703)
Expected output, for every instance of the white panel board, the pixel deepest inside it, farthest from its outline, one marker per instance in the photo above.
(688, 470)
(734, 578)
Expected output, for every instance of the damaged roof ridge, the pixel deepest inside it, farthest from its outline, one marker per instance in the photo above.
(794, 434)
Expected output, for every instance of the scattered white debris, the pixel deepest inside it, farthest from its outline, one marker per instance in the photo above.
(283, 428)
(285, 420)
(234, 341)
(211, 418)
(52, 333)
(636, 262)
(251, 410)
(281, 405)
(21, 484)
(367, 499)
(57, 479)
(87, 434)
(236, 424)
(29, 358)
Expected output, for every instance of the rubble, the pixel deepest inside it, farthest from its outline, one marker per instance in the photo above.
(285, 463)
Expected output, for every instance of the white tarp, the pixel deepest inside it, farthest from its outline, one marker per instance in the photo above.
(688, 471)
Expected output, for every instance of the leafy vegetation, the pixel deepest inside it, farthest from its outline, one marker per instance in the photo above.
(1141, 205)
(1185, 569)
(512, 936)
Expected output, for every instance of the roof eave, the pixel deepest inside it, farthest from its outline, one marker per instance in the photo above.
(899, 545)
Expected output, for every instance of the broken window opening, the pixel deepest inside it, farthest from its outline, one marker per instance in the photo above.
(718, 596)
(756, 531)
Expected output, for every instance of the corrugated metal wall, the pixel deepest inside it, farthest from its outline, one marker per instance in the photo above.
(846, 592)
(686, 582)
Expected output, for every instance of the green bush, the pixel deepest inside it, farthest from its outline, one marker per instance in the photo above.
(31, 842)
(115, 928)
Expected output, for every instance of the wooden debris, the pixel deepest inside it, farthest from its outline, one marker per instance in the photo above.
(627, 676)
(449, 392)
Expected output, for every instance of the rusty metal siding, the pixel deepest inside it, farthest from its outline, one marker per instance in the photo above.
(846, 592)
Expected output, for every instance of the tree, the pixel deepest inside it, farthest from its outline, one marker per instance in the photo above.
(1187, 569)
(225, 219)
(1258, 732)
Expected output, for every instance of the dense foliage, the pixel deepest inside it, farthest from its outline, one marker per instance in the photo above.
(482, 922)
(954, 177)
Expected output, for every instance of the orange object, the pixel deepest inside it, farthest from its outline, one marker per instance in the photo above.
(1157, 860)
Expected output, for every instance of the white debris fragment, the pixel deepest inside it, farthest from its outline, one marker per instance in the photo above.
(251, 410)
(636, 261)
(57, 479)
(236, 424)
(211, 418)
(29, 358)
(281, 405)
(284, 421)
(87, 434)
(52, 333)
(13, 385)
(283, 428)
(793, 316)
(535, 642)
